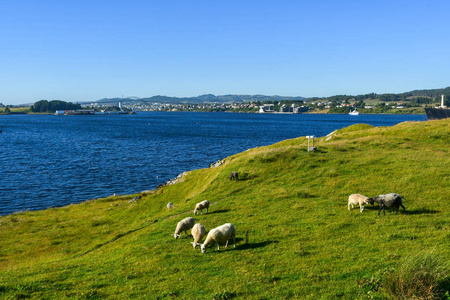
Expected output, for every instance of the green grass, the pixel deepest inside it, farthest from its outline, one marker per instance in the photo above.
(16, 110)
(295, 236)
(424, 276)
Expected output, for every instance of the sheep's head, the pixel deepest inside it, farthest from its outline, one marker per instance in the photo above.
(195, 212)
(371, 200)
(203, 247)
(194, 244)
(177, 235)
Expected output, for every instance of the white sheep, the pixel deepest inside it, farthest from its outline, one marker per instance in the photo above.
(169, 205)
(354, 199)
(200, 206)
(218, 235)
(198, 232)
(183, 225)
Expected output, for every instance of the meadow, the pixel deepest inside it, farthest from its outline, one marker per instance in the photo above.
(296, 239)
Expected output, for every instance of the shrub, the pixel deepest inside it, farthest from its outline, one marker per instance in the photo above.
(422, 276)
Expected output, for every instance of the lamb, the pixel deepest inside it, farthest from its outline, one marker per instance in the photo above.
(198, 232)
(218, 235)
(354, 199)
(169, 205)
(200, 206)
(388, 200)
(183, 225)
(234, 175)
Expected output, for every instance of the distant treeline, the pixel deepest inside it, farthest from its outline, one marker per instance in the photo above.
(52, 106)
(417, 96)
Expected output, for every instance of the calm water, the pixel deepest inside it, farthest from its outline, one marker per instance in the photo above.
(48, 161)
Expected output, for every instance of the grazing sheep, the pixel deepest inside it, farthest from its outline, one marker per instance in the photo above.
(169, 205)
(354, 199)
(388, 200)
(184, 225)
(218, 235)
(234, 175)
(198, 232)
(200, 206)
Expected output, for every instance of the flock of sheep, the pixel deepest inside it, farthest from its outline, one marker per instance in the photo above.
(383, 201)
(223, 233)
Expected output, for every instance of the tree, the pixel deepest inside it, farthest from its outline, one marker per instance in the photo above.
(360, 103)
(54, 105)
(7, 110)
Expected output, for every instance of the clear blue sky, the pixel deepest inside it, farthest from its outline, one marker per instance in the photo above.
(87, 50)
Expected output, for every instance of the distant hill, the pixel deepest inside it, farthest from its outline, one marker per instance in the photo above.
(211, 98)
(207, 98)
(431, 93)
(428, 93)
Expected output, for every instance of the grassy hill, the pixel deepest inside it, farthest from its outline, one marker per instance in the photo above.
(295, 236)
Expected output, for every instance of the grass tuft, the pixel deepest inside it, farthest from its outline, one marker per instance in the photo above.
(420, 276)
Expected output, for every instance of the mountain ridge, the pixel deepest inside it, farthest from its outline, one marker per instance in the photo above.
(211, 98)
(205, 98)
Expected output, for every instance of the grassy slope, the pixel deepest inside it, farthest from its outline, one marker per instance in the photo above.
(16, 110)
(291, 206)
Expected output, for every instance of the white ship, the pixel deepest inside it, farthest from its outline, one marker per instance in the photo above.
(354, 113)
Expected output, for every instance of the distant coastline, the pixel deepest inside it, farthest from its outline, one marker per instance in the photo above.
(405, 111)
(413, 102)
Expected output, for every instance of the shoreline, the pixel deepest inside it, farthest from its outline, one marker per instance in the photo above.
(323, 112)
(153, 183)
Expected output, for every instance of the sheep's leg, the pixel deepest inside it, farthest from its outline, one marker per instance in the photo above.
(349, 206)
(226, 244)
(206, 210)
(234, 241)
(361, 208)
(404, 209)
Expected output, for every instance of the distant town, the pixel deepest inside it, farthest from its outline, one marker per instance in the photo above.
(412, 102)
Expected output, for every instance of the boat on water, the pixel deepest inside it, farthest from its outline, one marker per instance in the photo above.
(354, 113)
(438, 113)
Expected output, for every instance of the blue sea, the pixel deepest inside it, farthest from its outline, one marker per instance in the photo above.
(51, 161)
